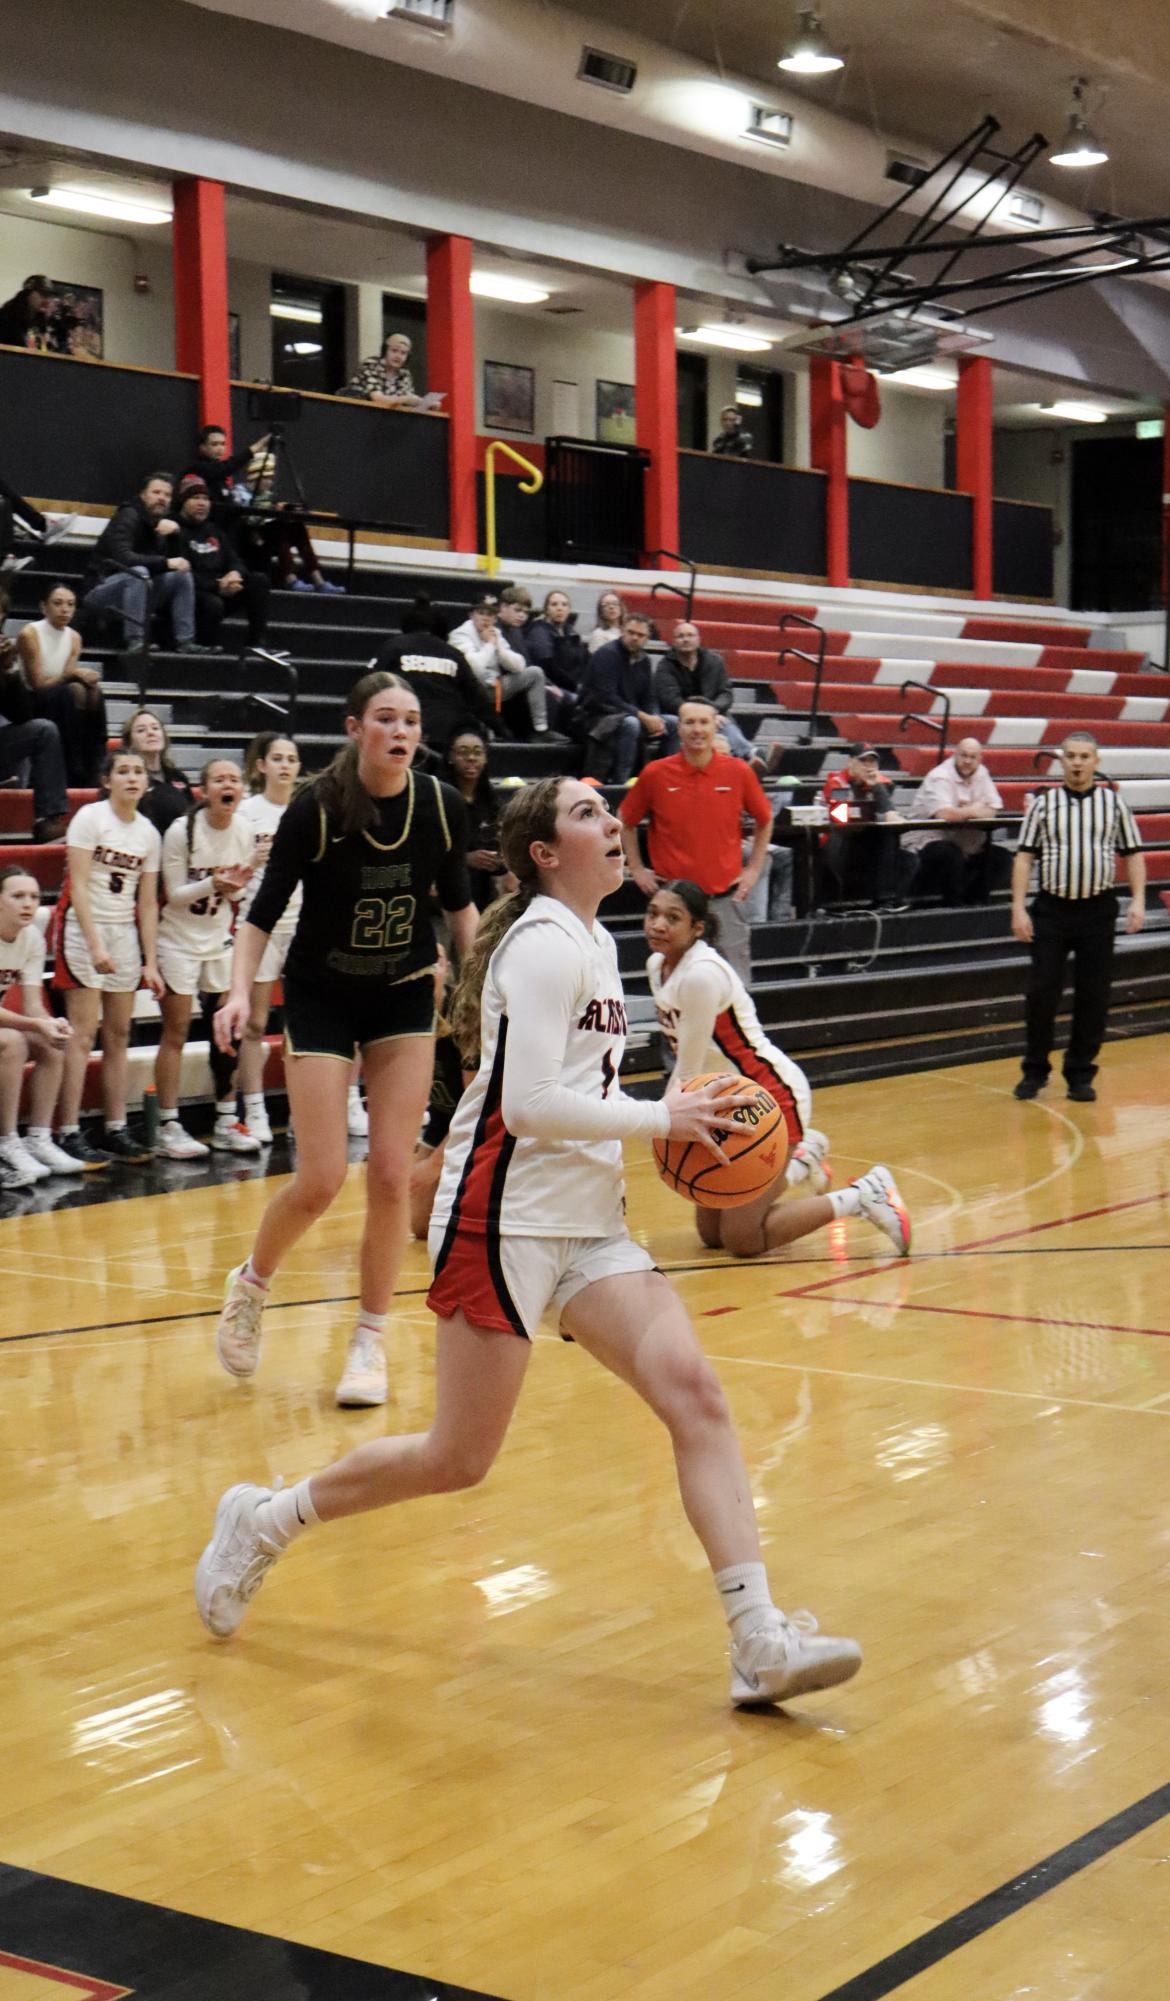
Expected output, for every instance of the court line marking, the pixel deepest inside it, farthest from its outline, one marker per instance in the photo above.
(1003, 1902)
(196, 1313)
(923, 1383)
(979, 1313)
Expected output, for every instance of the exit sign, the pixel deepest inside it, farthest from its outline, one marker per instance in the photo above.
(1148, 427)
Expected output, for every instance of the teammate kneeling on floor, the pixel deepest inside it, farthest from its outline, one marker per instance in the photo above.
(528, 1221)
(710, 1023)
(206, 865)
(106, 950)
(27, 1033)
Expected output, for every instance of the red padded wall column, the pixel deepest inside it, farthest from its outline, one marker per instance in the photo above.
(973, 438)
(827, 452)
(199, 246)
(451, 367)
(656, 395)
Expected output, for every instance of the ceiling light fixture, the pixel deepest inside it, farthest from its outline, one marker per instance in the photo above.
(808, 53)
(924, 377)
(736, 339)
(281, 309)
(1079, 147)
(1076, 413)
(513, 291)
(112, 208)
(749, 395)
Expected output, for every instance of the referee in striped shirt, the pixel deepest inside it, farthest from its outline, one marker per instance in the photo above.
(1074, 830)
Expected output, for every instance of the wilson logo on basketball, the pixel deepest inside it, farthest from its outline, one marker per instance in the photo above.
(751, 1141)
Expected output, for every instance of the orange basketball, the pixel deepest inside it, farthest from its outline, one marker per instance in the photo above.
(754, 1139)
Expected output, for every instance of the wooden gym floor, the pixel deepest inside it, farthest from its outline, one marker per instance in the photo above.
(484, 1741)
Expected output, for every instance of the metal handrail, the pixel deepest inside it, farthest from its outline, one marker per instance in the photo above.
(817, 662)
(532, 484)
(940, 727)
(676, 590)
(288, 715)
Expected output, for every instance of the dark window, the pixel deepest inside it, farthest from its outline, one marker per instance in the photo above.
(1116, 524)
(308, 334)
(692, 402)
(408, 316)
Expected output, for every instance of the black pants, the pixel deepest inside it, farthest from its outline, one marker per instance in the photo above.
(79, 713)
(870, 863)
(1085, 928)
(23, 509)
(211, 609)
(945, 871)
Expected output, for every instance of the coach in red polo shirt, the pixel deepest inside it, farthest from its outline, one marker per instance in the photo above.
(694, 803)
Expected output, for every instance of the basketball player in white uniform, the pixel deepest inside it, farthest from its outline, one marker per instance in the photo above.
(271, 767)
(105, 948)
(528, 1220)
(28, 1033)
(206, 866)
(710, 1023)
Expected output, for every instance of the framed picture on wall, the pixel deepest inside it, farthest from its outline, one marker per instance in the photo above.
(74, 323)
(615, 413)
(234, 346)
(509, 397)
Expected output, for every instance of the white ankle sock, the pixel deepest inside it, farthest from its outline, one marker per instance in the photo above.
(355, 1091)
(796, 1171)
(371, 1323)
(744, 1596)
(248, 1271)
(845, 1201)
(288, 1514)
(166, 1118)
(38, 1132)
(225, 1108)
(253, 1102)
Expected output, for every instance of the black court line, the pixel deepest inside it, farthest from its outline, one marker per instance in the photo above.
(196, 1313)
(954, 1933)
(157, 1954)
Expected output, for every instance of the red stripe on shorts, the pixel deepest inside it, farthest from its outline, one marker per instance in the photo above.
(731, 1041)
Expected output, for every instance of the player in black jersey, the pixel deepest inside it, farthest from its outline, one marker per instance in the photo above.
(368, 841)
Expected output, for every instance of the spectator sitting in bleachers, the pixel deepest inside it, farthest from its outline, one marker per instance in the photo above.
(62, 689)
(384, 378)
(499, 664)
(618, 710)
(168, 793)
(466, 768)
(28, 1032)
(690, 669)
(556, 646)
(733, 441)
(220, 472)
(869, 866)
(450, 693)
(611, 611)
(272, 534)
(955, 863)
(24, 317)
(136, 568)
(30, 740)
(220, 573)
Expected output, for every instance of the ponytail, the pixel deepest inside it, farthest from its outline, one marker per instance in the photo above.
(528, 817)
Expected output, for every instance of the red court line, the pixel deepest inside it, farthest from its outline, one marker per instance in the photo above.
(1026, 1319)
(980, 1243)
(82, 1983)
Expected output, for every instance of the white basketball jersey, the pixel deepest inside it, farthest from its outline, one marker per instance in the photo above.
(122, 850)
(710, 1022)
(205, 925)
(264, 817)
(22, 960)
(496, 1182)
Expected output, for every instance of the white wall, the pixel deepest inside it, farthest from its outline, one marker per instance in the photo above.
(907, 445)
(139, 328)
(250, 295)
(558, 350)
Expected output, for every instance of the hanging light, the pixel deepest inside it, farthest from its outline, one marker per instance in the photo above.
(1079, 147)
(808, 53)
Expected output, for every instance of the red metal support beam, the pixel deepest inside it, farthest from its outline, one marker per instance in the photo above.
(973, 462)
(828, 453)
(656, 403)
(451, 367)
(199, 247)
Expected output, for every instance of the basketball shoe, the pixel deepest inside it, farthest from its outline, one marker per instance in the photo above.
(882, 1205)
(787, 1655)
(232, 1136)
(813, 1151)
(237, 1337)
(363, 1379)
(236, 1561)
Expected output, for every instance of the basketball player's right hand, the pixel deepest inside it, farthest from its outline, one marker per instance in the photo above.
(697, 1114)
(101, 961)
(230, 1022)
(1022, 926)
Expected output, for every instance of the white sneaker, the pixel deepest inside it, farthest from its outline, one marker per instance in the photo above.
(236, 1561)
(178, 1144)
(787, 1656)
(59, 525)
(16, 1158)
(357, 1119)
(363, 1379)
(881, 1204)
(813, 1150)
(229, 1136)
(51, 1157)
(257, 1124)
(237, 1337)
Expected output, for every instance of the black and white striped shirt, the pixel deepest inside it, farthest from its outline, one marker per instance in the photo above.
(1077, 836)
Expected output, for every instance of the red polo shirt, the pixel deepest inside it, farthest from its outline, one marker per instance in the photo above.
(694, 813)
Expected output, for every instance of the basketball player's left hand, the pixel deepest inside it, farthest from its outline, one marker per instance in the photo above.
(1135, 916)
(152, 978)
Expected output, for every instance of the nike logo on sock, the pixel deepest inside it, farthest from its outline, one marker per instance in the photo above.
(727, 1589)
(300, 1517)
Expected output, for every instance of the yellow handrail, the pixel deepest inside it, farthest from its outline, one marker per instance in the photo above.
(532, 484)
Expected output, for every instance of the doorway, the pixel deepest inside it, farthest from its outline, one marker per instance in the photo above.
(308, 334)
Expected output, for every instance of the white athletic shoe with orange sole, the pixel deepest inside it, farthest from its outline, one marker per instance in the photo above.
(882, 1205)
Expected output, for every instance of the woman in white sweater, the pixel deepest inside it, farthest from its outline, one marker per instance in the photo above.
(69, 694)
(500, 666)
